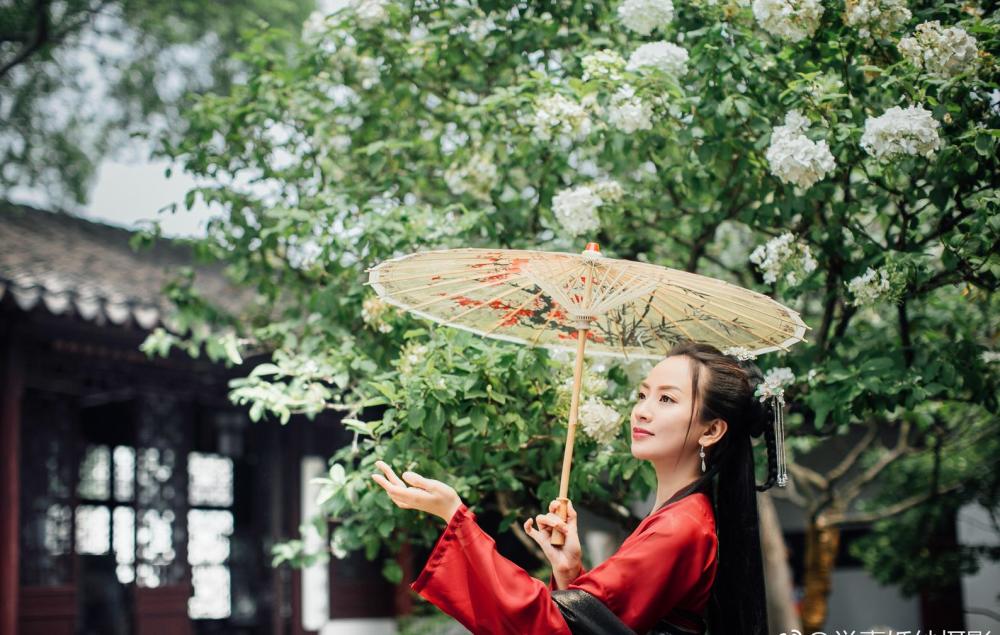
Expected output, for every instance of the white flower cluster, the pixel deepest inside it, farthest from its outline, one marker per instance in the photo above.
(603, 64)
(784, 257)
(476, 177)
(599, 421)
(642, 16)
(775, 381)
(944, 52)
(873, 286)
(556, 114)
(795, 158)
(876, 19)
(412, 358)
(592, 382)
(373, 314)
(741, 353)
(371, 13)
(791, 19)
(628, 112)
(665, 56)
(900, 131)
(990, 356)
(576, 208)
(314, 28)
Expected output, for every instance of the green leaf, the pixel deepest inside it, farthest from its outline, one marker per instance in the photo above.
(392, 571)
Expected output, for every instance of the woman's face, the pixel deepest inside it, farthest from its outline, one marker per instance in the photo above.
(662, 409)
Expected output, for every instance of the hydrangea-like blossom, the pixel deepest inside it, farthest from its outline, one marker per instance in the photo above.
(665, 56)
(599, 421)
(790, 19)
(944, 52)
(557, 114)
(876, 19)
(371, 13)
(785, 257)
(795, 158)
(628, 113)
(475, 177)
(603, 64)
(900, 131)
(576, 208)
(873, 286)
(642, 16)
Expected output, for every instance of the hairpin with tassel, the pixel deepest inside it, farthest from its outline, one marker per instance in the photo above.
(774, 391)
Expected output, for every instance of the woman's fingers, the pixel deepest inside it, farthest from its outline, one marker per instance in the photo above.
(423, 483)
(389, 474)
(570, 512)
(551, 521)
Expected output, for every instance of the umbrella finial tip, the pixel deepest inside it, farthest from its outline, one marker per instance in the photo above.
(593, 247)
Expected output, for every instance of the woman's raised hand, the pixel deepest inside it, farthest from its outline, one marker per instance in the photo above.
(425, 494)
(566, 560)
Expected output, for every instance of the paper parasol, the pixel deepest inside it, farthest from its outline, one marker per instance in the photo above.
(582, 302)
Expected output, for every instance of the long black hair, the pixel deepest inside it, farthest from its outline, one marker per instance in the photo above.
(737, 605)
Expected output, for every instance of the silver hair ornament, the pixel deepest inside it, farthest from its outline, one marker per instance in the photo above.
(776, 394)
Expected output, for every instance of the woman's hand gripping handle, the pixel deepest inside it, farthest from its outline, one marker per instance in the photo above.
(566, 557)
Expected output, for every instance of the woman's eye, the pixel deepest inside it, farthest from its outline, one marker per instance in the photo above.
(665, 397)
(640, 396)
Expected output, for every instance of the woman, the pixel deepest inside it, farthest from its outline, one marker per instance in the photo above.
(696, 555)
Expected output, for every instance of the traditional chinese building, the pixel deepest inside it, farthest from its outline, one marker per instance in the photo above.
(135, 497)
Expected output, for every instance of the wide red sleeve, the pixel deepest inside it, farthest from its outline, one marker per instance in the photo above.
(653, 570)
(469, 580)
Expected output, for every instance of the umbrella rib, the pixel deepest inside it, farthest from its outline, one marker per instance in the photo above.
(739, 303)
(764, 337)
(608, 296)
(667, 317)
(452, 281)
(548, 321)
(624, 289)
(424, 275)
(752, 319)
(651, 329)
(707, 326)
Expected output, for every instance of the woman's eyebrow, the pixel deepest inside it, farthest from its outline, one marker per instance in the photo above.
(664, 387)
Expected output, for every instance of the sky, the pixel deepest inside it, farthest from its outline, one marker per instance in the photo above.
(133, 189)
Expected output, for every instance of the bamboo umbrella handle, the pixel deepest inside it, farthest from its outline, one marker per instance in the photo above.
(558, 539)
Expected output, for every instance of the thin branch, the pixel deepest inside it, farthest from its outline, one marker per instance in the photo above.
(851, 458)
(854, 486)
(811, 476)
(39, 39)
(842, 518)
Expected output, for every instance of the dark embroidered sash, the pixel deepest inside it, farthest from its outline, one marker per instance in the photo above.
(586, 615)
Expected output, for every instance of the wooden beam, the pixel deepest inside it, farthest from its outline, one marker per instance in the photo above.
(11, 391)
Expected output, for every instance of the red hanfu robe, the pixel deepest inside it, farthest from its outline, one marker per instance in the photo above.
(667, 563)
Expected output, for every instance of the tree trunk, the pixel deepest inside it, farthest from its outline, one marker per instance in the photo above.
(781, 614)
(821, 555)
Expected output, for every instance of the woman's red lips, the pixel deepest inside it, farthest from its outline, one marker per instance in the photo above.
(640, 432)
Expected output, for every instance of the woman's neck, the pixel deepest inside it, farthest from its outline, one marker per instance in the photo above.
(669, 482)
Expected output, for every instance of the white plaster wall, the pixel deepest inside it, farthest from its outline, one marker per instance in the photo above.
(979, 591)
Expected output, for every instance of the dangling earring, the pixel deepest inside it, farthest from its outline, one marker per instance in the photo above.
(701, 453)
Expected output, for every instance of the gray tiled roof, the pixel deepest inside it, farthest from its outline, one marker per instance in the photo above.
(73, 265)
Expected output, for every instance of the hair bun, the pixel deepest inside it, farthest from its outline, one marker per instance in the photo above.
(761, 412)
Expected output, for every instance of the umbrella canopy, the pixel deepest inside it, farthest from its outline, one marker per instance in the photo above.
(540, 298)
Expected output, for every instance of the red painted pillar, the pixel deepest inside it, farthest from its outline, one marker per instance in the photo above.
(11, 389)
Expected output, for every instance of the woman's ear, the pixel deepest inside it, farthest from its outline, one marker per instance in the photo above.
(713, 433)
